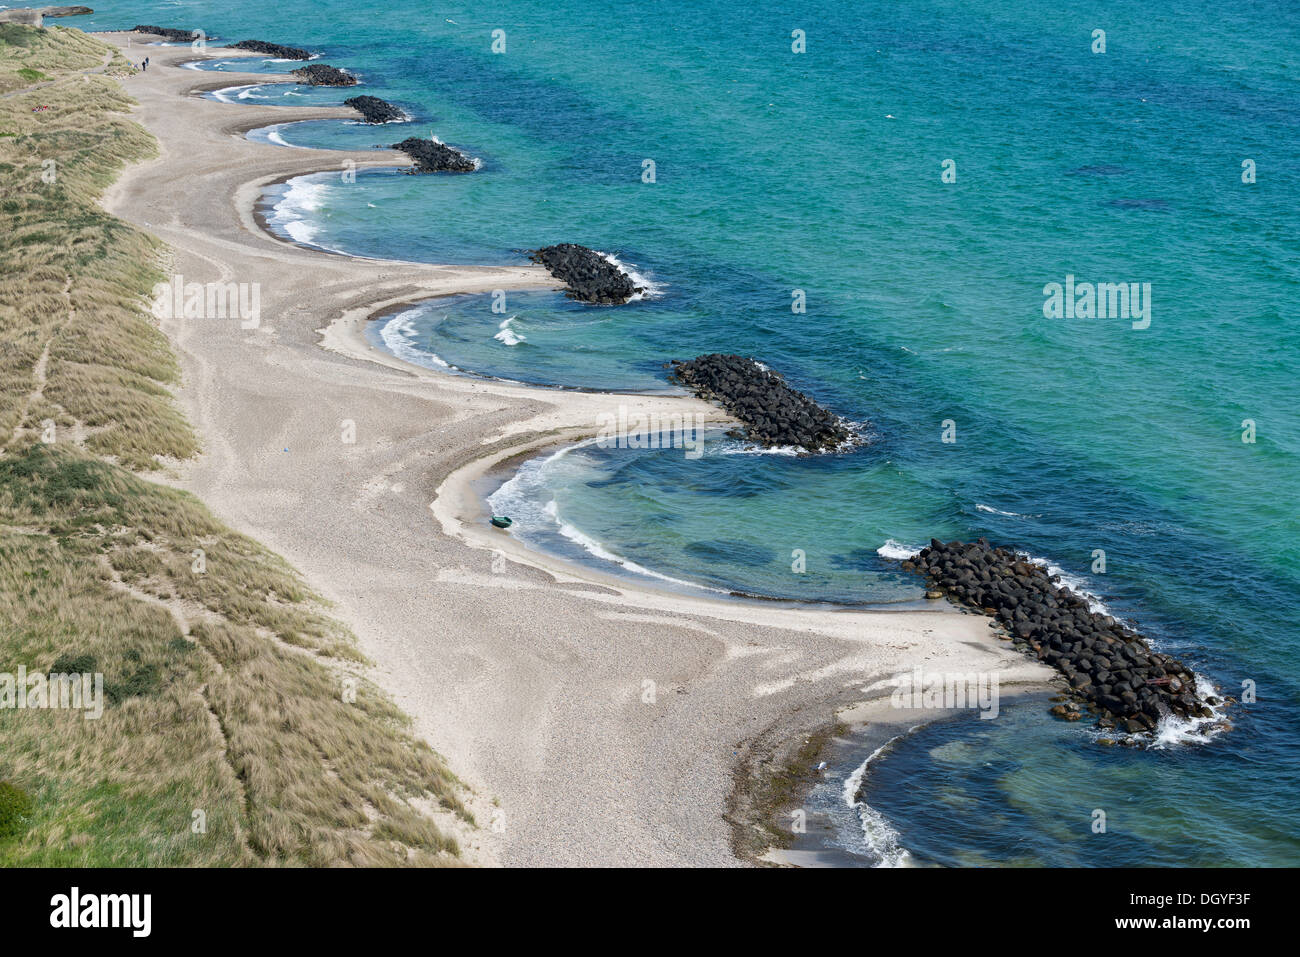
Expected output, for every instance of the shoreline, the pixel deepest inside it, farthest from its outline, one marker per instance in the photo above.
(530, 681)
(858, 736)
(503, 469)
(394, 310)
(463, 513)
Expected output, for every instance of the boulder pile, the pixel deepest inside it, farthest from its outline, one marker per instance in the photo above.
(590, 276)
(168, 33)
(433, 157)
(375, 110)
(319, 74)
(1109, 667)
(270, 49)
(772, 412)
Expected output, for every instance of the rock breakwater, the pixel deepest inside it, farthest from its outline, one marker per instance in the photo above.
(1110, 669)
(168, 33)
(320, 74)
(432, 156)
(589, 275)
(773, 413)
(271, 49)
(375, 110)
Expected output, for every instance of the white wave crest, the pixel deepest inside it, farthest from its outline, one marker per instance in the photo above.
(881, 839)
(521, 497)
(1173, 731)
(507, 334)
(230, 93)
(271, 134)
(649, 288)
(739, 447)
(400, 336)
(294, 213)
(997, 511)
(897, 550)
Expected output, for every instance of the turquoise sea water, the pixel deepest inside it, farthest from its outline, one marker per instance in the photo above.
(821, 171)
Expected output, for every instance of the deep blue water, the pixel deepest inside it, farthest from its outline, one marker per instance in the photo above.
(821, 171)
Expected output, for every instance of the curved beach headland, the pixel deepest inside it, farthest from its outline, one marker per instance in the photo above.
(614, 723)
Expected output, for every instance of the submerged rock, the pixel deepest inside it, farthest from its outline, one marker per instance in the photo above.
(320, 74)
(375, 110)
(271, 49)
(590, 276)
(1106, 664)
(772, 412)
(433, 157)
(735, 552)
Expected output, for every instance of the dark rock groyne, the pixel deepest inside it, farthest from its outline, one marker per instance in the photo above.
(1109, 667)
(433, 157)
(375, 110)
(772, 412)
(320, 74)
(182, 36)
(589, 275)
(270, 49)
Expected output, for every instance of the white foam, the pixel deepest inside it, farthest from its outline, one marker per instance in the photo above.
(293, 212)
(737, 447)
(1173, 731)
(997, 511)
(1076, 584)
(897, 550)
(271, 134)
(399, 337)
(521, 496)
(301, 231)
(508, 335)
(404, 118)
(208, 65)
(649, 288)
(879, 836)
(302, 196)
(224, 95)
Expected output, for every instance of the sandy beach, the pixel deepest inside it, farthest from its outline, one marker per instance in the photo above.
(530, 680)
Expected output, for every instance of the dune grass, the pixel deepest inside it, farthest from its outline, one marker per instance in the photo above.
(29, 55)
(238, 727)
